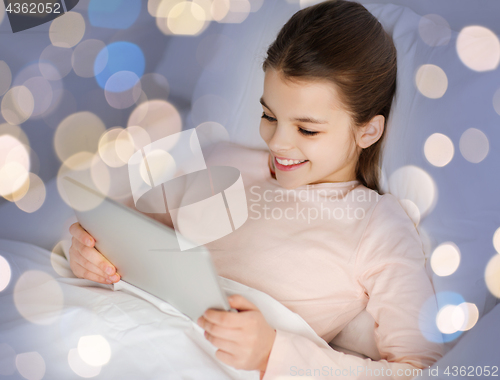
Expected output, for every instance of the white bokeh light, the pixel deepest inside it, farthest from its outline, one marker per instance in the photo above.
(434, 30)
(474, 145)
(438, 149)
(445, 259)
(31, 365)
(431, 81)
(478, 48)
(94, 350)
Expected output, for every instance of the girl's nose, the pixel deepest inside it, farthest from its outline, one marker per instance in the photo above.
(281, 140)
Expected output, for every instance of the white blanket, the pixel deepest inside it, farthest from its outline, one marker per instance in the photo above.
(46, 310)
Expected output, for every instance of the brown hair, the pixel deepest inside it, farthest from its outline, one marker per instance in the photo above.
(341, 41)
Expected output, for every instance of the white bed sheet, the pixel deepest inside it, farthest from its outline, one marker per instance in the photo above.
(45, 309)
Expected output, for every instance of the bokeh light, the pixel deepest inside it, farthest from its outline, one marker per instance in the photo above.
(434, 30)
(5, 273)
(55, 62)
(81, 368)
(185, 18)
(444, 320)
(157, 164)
(415, 184)
(411, 210)
(14, 166)
(58, 258)
(17, 105)
(7, 356)
(233, 11)
(445, 259)
(465, 316)
(84, 56)
(161, 8)
(94, 350)
(496, 240)
(438, 149)
(431, 81)
(78, 132)
(116, 146)
(492, 275)
(5, 77)
(122, 89)
(140, 139)
(35, 195)
(67, 31)
(474, 145)
(158, 117)
(119, 56)
(88, 169)
(33, 286)
(31, 365)
(114, 14)
(478, 48)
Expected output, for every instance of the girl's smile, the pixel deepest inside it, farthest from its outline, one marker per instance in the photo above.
(284, 164)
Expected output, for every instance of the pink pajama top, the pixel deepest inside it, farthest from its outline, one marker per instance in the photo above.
(327, 252)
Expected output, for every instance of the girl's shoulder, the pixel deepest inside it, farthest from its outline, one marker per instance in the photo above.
(390, 233)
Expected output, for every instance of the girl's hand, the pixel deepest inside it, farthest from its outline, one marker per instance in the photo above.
(85, 261)
(244, 339)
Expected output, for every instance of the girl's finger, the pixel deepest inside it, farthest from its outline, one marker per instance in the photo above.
(223, 344)
(95, 257)
(230, 334)
(81, 235)
(82, 272)
(77, 257)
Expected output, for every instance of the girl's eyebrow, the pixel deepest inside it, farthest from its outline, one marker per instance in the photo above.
(304, 119)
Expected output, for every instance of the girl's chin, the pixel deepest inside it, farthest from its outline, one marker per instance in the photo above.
(287, 184)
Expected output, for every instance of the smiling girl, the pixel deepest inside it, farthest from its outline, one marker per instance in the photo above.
(330, 78)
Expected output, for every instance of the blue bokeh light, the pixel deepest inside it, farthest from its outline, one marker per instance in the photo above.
(119, 56)
(114, 14)
(429, 328)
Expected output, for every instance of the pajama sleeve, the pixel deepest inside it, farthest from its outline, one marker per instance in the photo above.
(390, 268)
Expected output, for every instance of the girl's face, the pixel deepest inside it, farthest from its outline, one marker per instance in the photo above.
(307, 131)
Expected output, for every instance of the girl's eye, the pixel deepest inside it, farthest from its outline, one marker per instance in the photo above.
(301, 130)
(307, 133)
(269, 118)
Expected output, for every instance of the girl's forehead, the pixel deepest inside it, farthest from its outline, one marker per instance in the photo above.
(300, 93)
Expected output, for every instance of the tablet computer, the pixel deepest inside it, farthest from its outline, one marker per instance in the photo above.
(147, 253)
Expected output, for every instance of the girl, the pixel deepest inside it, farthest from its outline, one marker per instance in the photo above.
(321, 238)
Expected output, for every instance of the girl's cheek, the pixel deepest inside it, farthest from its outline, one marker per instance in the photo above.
(266, 132)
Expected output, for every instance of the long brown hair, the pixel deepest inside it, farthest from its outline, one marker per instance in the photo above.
(342, 42)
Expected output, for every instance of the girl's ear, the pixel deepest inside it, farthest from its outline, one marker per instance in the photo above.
(371, 132)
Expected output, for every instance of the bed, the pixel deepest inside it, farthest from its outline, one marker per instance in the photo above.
(441, 161)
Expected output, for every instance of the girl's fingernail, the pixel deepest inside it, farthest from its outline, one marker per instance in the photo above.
(109, 270)
(89, 242)
(108, 281)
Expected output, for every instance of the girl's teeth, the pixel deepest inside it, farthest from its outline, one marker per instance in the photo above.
(289, 162)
